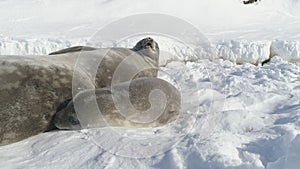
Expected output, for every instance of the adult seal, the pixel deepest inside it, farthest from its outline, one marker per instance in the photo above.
(112, 109)
(33, 87)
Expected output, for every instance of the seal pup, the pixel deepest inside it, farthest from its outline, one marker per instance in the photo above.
(109, 113)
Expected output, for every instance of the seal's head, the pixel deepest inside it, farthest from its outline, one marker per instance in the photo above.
(148, 47)
(66, 119)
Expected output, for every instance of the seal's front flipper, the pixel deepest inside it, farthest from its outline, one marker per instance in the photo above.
(73, 49)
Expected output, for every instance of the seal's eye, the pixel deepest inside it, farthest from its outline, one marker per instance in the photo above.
(149, 44)
(73, 121)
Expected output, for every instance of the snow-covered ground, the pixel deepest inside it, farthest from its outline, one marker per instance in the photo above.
(240, 114)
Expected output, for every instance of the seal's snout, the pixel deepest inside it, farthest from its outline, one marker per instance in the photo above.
(57, 119)
(66, 119)
(151, 45)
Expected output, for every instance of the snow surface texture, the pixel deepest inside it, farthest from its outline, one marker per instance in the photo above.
(258, 125)
(243, 116)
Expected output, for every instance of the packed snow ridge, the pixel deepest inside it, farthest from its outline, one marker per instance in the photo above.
(237, 51)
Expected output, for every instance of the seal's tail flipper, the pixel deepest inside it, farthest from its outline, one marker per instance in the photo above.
(73, 49)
